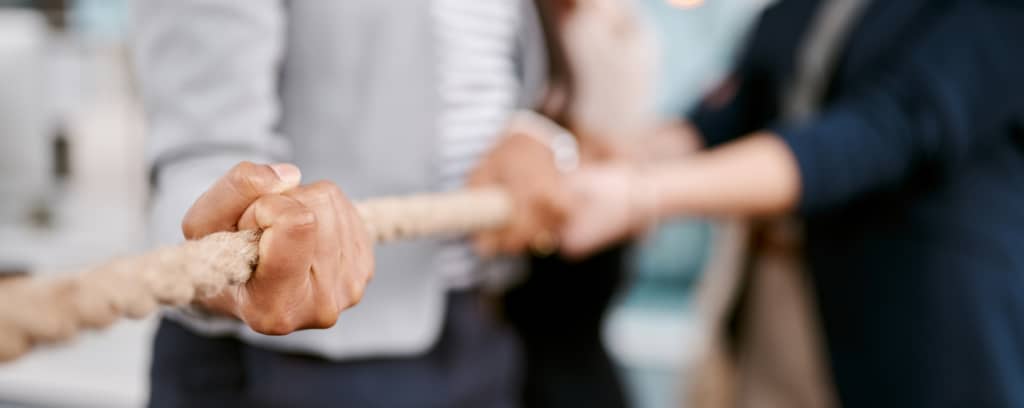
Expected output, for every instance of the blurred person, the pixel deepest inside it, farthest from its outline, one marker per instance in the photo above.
(904, 158)
(381, 98)
(601, 89)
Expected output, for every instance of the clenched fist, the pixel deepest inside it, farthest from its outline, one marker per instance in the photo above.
(615, 202)
(526, 167)
(315, 256)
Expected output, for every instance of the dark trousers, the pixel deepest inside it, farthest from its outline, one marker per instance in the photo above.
(558, 313)
(475, 363)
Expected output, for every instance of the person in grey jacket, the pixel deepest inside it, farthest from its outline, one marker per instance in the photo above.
(382, 98)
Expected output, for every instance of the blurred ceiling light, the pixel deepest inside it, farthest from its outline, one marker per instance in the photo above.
(685, 3)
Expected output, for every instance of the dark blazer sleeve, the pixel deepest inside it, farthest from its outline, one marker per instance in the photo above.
(732, 110)
(747, 99)
(959, 90)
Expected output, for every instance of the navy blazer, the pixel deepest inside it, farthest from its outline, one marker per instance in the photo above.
(912, 191)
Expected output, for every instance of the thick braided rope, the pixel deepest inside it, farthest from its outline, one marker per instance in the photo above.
(36, 311)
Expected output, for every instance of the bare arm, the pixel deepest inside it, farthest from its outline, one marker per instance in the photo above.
(755, 175)
(952, 97)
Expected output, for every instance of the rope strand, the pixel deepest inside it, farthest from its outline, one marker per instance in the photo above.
(38, 311)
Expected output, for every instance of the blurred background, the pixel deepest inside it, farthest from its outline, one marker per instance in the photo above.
(73, 192)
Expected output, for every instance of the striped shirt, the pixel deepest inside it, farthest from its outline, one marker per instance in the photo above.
(479, 89)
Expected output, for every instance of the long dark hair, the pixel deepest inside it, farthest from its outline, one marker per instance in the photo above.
(560, 87)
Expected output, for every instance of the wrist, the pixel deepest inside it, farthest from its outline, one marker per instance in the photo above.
(646, 196)
(560, 142)
(670, 189)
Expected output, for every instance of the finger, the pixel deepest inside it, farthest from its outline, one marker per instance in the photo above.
(344, 263)
(322, 199)
(548, 220)
(576, 233)
(482, 176)
(536, 228)
(544, 243)
(552, 214)
(486, 244)
(553, 207)
(539, 210)
(601, 220)
(516, 237)
(288, 242)
(326, 280)
(220, 207)
(357, 259)
(576, 241)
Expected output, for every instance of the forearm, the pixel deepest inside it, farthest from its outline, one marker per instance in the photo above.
(755, 175)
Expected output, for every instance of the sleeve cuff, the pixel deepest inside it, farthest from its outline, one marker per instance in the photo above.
(835, 160)
(203, 322)
(795, 138)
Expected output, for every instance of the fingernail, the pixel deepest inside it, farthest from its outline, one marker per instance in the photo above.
(287, 173)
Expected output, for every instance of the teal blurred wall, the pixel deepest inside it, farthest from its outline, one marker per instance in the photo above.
(648, 332)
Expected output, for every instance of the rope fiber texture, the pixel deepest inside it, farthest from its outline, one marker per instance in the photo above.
(41, 311)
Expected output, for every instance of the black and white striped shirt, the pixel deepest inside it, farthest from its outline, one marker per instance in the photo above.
(479, 90)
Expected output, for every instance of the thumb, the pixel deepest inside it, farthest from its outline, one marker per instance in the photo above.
(220, 207)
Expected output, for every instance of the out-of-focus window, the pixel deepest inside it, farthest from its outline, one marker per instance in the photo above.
(72, 185)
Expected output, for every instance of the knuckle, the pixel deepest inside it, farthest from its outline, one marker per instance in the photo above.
(371, 270)
(326, 317)
(247, 178)
(355, 299)
(322, 194)
(514, 247)
(242, 167)
(331, 192)
(323, 185)
(301, 219)
(272, 324)
(355, 293)
(241, 171)
(190, 227)
(337, 196)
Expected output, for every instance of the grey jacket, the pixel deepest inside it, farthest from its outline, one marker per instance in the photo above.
(346, 89)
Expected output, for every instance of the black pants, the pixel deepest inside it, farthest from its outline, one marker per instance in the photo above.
(475, 363)
(558, 313)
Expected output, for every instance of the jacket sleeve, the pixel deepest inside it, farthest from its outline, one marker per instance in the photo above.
(956, 93)
(744, 101)
(208, 71)
(736, 108)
